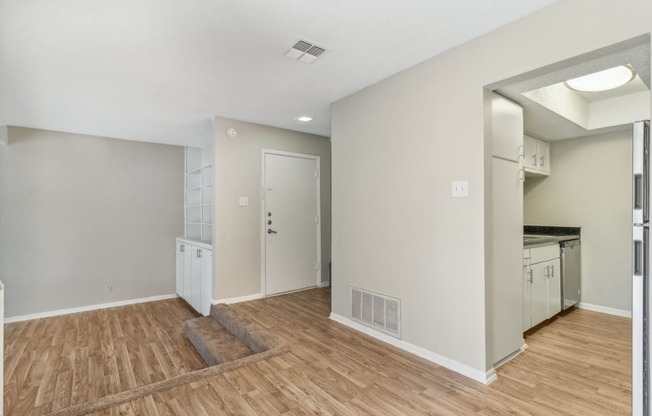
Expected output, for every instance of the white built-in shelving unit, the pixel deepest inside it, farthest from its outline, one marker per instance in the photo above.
(198, 197)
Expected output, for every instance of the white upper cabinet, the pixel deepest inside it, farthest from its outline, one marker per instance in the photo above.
(536, 156)
(506, 128)
(530, 161)
(543, 154)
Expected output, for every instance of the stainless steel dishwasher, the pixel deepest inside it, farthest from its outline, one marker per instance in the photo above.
(571, 272)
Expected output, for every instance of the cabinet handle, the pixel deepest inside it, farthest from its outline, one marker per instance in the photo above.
(638, 258)
(552, 270)
(531, 278)
(182, 248)
(198, 253)
(541, 159)
(521, 151)
(535, 159)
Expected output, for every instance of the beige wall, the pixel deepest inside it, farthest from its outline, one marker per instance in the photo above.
(78, 213)
(237, 251)
(590, 187)
(396, 148)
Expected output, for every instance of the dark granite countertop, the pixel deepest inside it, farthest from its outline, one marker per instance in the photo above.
(551, 230)
(543, 235)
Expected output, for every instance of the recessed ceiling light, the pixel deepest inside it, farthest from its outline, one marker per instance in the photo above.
(305, 119)
(603, 80)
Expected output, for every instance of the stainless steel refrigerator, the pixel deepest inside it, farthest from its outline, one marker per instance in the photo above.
(641, 295)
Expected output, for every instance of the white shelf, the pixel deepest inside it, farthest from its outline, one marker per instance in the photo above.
(198, 202)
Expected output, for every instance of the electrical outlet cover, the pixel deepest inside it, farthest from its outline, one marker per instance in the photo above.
(460, 189)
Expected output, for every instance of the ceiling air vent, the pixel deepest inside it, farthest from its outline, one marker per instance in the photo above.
(305, 52)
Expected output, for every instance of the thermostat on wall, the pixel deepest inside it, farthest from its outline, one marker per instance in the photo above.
(231, 132)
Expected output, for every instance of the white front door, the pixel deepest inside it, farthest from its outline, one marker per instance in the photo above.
(290, 222)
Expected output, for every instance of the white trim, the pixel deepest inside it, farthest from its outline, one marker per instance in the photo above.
(87, 308)
(604, 309)
(202, 244)
(263, 226)
(238, 299)
(511, 356)
(485, 378)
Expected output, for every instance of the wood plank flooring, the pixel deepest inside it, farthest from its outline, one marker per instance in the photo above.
(53, 363)
(579, 364)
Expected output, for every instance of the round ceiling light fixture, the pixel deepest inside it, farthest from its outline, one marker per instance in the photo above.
(608, 79)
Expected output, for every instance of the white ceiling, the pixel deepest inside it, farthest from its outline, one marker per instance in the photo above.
(158, 70)
(606, 111)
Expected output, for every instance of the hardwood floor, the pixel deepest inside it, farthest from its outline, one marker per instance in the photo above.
(577, 365)
(53, 363)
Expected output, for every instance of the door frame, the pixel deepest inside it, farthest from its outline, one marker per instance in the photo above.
(263, 205)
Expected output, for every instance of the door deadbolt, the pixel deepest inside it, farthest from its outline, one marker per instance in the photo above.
(269, 214)
(269, 222)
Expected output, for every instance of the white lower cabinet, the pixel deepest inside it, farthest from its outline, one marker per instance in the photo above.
(195, 274)
(541, 284)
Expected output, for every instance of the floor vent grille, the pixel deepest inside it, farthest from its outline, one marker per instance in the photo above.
(376, 311)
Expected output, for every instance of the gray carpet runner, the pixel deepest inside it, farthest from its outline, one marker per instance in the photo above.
(226, 336)
(215, 344)
(225, 340)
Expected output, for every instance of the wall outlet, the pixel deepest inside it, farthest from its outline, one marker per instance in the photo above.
(109, 288)
(243, 201)
(460, 189)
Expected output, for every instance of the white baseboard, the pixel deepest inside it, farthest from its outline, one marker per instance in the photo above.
(86, 308)
(238, 299)
(511, 356)
(324, 284)
(604, 309)
(485, 378)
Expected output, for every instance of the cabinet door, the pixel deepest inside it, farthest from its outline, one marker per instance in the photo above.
(543, 156)
(206, 261)
(530, 161)
(195, 277)
(539, 291)
(554, 287)
(187, 272)
(527, 294)
(506, 290)
(506, 128)
(180, 267)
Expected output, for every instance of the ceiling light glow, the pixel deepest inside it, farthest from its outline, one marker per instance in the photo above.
(603, 80)
(305, 119)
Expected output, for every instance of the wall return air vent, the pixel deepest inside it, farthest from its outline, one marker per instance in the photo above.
(380, 312)
(305, 52)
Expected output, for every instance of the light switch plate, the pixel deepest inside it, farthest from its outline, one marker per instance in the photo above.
(243, 201)
(460, 189)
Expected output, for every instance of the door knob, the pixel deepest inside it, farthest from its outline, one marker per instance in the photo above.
(270, 231)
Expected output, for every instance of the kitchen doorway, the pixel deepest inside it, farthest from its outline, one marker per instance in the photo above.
(586, 183)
